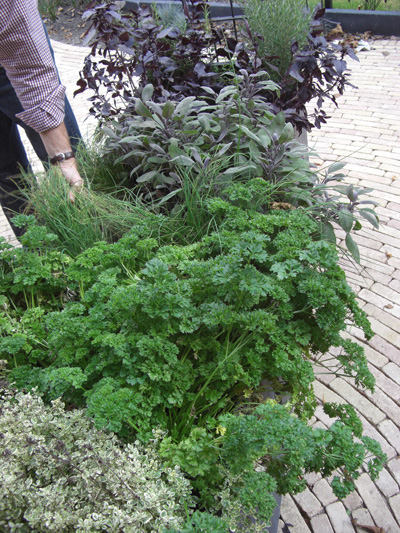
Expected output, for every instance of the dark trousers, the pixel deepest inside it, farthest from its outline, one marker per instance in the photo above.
(12, 153)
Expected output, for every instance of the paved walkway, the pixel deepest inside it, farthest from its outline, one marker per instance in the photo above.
(365, 131)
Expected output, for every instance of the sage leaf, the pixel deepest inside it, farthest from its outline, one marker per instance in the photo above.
(346, 220)
(353, 248)
(371, 217)
(335, 167)
(147, 92)
(328, 233)
(142, 110)
(168, 110)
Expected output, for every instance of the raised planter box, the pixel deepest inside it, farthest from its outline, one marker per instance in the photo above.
(354, 21)
(216, 10)
(377, 22)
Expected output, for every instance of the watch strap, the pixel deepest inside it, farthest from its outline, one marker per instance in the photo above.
(59, 158)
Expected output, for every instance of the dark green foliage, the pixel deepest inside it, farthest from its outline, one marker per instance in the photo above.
(202, 523)
(228, 283)
(282, 446)
(178, 337)
(157, 335)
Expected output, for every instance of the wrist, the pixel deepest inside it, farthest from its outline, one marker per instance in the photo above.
(60, 157)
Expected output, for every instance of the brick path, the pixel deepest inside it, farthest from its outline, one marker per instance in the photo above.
(365, 131)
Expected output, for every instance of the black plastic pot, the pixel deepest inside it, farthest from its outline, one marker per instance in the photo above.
(273, 528)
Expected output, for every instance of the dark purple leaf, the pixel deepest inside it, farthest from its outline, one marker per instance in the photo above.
(294, 73)
(126, 50)
(89, 35)
(82, 86)
(168, 32)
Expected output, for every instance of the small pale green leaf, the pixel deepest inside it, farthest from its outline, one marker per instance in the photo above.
(369, 210)
(157, 110)
(367, 190)
(185, 105)
(278, 123)
(148, 176)
(352, 195)
(111, 133)
(209, 90)
(130, 139)
(287, 133)
(225, 92)
(156, 159)
(223, 150)
(147, 92)
(162, 178)
(166, 198)
(124, 157)
(254, 151)
(157, 148)
(204, 123)
(183, 160)
(136, 169)
(174, 150)
(250, 134)
(271, 86)
(239, 169)
(265, 139)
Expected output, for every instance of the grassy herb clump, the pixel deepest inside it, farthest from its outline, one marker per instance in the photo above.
(279, 23)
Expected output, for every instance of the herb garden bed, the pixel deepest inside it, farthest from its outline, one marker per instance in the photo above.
(199, 264)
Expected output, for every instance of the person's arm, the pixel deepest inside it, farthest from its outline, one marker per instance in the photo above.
(26, 57)
(56, 142)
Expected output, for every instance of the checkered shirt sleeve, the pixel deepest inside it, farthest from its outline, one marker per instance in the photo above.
(26, 57)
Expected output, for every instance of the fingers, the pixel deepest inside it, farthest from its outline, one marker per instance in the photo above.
(71, 174)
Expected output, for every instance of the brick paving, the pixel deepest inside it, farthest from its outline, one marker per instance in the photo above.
(364, 131)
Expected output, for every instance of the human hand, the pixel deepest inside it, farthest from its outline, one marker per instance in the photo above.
(69, 170)
(56, 142)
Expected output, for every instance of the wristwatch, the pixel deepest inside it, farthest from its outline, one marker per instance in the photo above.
(59, 158)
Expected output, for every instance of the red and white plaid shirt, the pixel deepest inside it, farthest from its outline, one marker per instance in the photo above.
(26, 57)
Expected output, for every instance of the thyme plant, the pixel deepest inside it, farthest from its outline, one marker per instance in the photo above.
(58, 473)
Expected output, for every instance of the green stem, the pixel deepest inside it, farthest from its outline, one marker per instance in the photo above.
(239, 346)
(130, 423)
